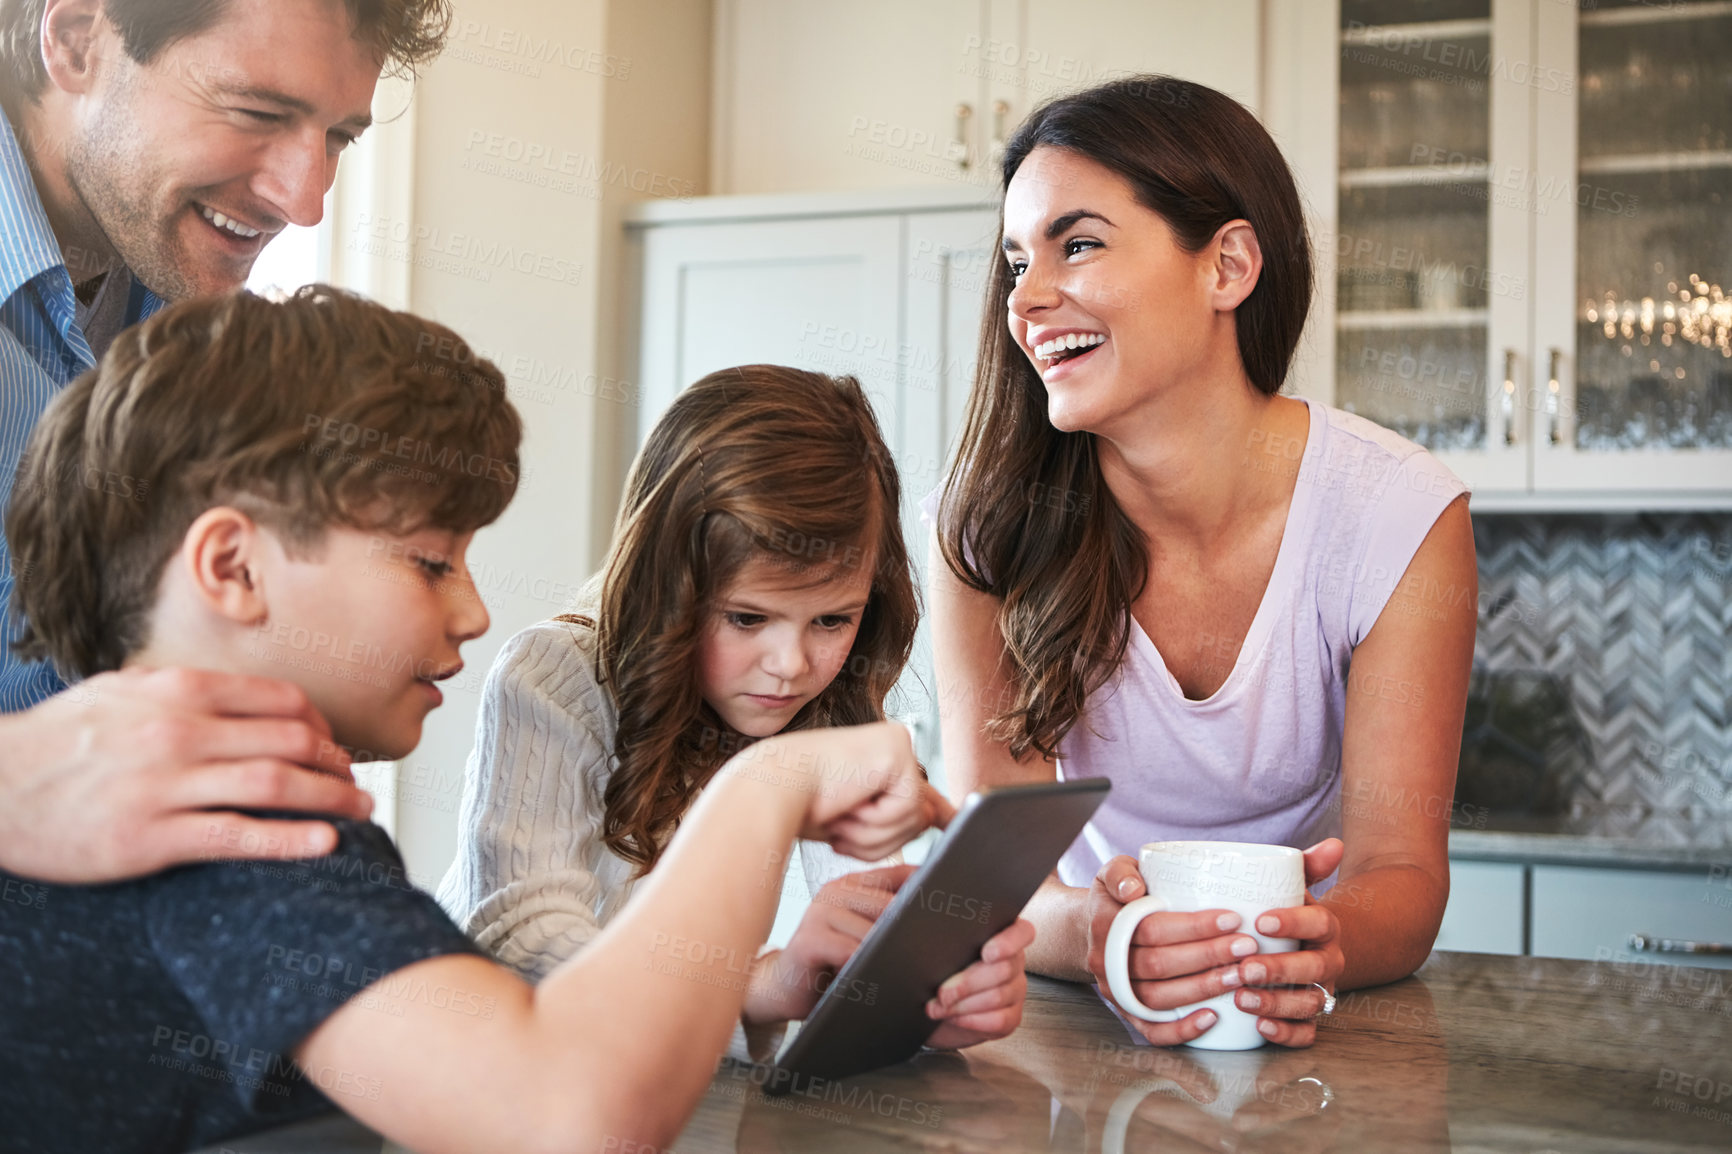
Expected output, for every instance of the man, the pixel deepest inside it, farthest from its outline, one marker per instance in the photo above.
(149, 150)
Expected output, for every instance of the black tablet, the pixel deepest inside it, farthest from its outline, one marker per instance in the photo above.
(998, 849)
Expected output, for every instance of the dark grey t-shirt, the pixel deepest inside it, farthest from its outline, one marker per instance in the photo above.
(159, 1014)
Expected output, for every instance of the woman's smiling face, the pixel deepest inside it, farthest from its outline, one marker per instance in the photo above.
(1107, 307)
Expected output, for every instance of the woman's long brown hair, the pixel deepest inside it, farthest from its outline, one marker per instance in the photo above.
(755, 462)
(1026, 515)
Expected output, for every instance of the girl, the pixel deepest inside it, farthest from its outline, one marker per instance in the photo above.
(1185, 622)
(757, 584)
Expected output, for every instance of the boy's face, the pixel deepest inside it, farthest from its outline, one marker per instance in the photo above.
(775, 640)
(366, 626)
(244, 121)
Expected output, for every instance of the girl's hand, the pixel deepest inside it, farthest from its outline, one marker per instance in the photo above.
(984, 1001)
(787, 983)
(1286, 1001)
(1176, 959)
(868, 795)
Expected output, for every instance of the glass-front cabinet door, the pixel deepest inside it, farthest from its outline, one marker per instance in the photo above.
(1533, 241)
(1431, 254)
(1634, 266)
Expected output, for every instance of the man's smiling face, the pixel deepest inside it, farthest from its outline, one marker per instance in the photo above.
(192, 163)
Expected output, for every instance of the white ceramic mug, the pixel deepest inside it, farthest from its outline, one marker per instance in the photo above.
(1187, 876)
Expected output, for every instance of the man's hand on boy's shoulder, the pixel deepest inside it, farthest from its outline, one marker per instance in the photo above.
(131, 772)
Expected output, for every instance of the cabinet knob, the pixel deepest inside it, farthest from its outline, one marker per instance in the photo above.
(1648, 944)
(1000, 117)
(959, 146)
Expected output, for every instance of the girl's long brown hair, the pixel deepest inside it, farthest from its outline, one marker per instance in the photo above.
(1026, 515)
(753, 462)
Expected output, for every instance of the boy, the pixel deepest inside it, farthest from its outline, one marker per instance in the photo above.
(290, 488)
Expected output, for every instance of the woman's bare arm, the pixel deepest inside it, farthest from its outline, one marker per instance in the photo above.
(1407, 693)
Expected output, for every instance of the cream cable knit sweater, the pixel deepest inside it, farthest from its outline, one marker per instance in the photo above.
(533, 881)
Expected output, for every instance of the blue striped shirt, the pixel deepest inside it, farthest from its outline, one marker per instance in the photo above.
(41, 350)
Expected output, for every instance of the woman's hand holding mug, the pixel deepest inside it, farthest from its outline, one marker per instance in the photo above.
(1174, 962)
(1176, 959)
(1289, 1001)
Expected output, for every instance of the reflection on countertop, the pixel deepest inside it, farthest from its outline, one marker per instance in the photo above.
(1475, 1052)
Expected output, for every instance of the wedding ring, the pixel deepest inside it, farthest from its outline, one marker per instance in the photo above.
(1328, 999)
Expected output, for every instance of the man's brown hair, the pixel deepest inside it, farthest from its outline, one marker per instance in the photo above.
(322, 409)
(402, 33)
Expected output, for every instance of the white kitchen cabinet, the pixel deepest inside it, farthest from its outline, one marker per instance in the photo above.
(814, 293)
(821, 96)
(815, 95)
(1487, 908)
(1071, 44)
(1528, 247)
(1597, 914)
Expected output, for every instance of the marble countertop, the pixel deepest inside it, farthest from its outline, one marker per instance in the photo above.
(1656, 846)
(1475, 1053)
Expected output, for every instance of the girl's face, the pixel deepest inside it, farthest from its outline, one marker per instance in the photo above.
(1098, 271)
(774, 641)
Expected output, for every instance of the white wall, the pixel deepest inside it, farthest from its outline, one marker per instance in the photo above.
(540, 119)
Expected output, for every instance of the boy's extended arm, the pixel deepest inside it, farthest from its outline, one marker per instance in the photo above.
(621, 1040)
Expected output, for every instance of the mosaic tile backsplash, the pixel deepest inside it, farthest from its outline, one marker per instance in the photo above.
(1599, 701)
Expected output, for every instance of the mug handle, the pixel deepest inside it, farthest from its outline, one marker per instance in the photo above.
(1118, 958)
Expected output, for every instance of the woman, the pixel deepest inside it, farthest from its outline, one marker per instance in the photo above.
(1254, 614)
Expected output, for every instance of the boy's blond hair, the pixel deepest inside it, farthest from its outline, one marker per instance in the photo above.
(323, 409)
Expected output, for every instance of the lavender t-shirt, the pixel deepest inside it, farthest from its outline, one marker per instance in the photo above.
(1260, 759)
